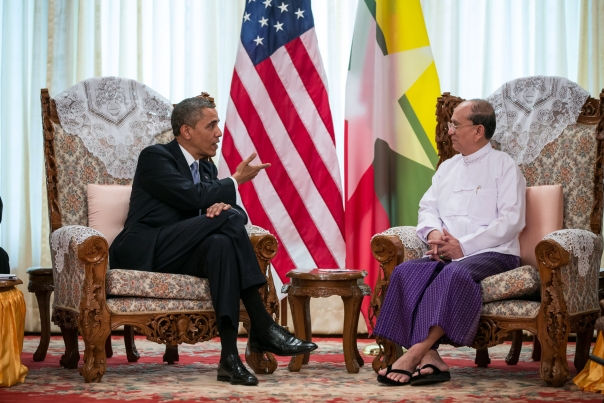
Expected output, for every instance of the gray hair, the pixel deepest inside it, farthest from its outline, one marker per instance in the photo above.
(482, 113)
(189, 112)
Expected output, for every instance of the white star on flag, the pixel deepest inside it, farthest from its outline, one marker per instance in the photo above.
(300, 14)
(258, 40)
(267, 3)
(283, 7)
(263, 22)
(278, 26)
(246, 17)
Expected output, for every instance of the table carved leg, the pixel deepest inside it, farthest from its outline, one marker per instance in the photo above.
(352, 306)
(43, 298)
(300, 307)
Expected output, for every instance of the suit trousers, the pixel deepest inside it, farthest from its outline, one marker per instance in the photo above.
(218, 249)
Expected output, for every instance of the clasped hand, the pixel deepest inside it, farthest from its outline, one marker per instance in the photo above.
(444, 246)
(216, 208)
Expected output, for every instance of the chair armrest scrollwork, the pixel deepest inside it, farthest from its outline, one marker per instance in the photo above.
(74, 248)
(391, 248)
(571, 257)
(265, 246)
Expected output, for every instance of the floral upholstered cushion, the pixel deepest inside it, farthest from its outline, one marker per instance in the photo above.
(523, 281)
(156, 285)
(156, 305)
(511, 309)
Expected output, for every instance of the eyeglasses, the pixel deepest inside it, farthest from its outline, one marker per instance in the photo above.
(453, 127)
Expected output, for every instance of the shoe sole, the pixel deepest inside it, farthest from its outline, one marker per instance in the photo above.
(228, 379)
(261, 351)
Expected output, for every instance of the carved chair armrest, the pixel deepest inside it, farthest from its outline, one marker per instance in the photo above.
(391, 248)
(265, 247)
(73, 247)
(569, 267)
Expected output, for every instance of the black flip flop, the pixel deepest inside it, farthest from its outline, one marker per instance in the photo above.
(434, 377)
(391, 382)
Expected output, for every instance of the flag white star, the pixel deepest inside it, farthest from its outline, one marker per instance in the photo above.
(258, 40)
(283, 7)
(263, 22)
(251, 1)
(267, 3)
(279, 26)
(246, 17)
(300, 14)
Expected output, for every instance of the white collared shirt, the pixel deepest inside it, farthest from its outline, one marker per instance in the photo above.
(479, 199)
(190, 160)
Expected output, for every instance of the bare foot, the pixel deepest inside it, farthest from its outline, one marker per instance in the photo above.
(407, 362)
(432, 357)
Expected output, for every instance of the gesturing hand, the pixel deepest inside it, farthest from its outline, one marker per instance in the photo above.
(216, 208)
(448, 247)
(246, 172)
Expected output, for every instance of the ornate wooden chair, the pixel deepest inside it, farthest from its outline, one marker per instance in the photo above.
(167, 308)
(567, 300)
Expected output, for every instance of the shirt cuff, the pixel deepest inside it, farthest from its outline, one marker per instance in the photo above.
(234, 183)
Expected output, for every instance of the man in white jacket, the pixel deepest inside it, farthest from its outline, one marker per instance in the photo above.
(471, 217)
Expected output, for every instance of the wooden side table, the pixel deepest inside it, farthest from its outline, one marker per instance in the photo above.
(317, 283)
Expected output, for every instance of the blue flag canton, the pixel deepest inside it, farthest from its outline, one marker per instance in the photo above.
(270, 24)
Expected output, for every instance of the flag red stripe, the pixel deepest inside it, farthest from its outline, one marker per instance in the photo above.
(365, 217)
(255, 210)
(312, 81)
(324, 182)
(278, 175)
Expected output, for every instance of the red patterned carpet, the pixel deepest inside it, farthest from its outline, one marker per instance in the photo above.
(324, 379)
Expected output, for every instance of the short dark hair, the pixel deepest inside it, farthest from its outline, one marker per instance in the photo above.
(188, 112)
(482, 113)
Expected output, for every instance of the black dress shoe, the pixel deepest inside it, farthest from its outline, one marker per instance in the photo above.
(232, 370)
(279, 341)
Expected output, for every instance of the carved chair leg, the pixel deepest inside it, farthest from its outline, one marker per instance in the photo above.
(482, 357)
(95, 357)
(131, 352)
(43, 298)
(554, 366)
(536, 354)
(388, 354)
(72, 355)
(108, 347)
(582, 351)
(171, 355)
(260, 363)
(514, 354)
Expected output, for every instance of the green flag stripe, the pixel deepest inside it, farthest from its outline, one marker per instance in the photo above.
(418, 129)
(399, 184)
(379, 35)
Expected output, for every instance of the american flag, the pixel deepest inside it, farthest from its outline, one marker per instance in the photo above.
(278, 107)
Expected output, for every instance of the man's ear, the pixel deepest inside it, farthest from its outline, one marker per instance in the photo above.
(480, 133)
(185, 132)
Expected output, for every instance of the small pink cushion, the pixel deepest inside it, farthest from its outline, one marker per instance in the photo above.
(544, 214)
(108, 208)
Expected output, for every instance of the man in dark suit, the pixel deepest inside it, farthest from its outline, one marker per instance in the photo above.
(4, 266)
(183, 220)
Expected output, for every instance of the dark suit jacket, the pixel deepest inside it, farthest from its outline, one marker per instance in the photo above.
(163, 193)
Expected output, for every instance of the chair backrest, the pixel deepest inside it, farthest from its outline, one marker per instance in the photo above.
(71, 165)
(574, 160)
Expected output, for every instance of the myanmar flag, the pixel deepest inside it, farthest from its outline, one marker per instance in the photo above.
(390, 152)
